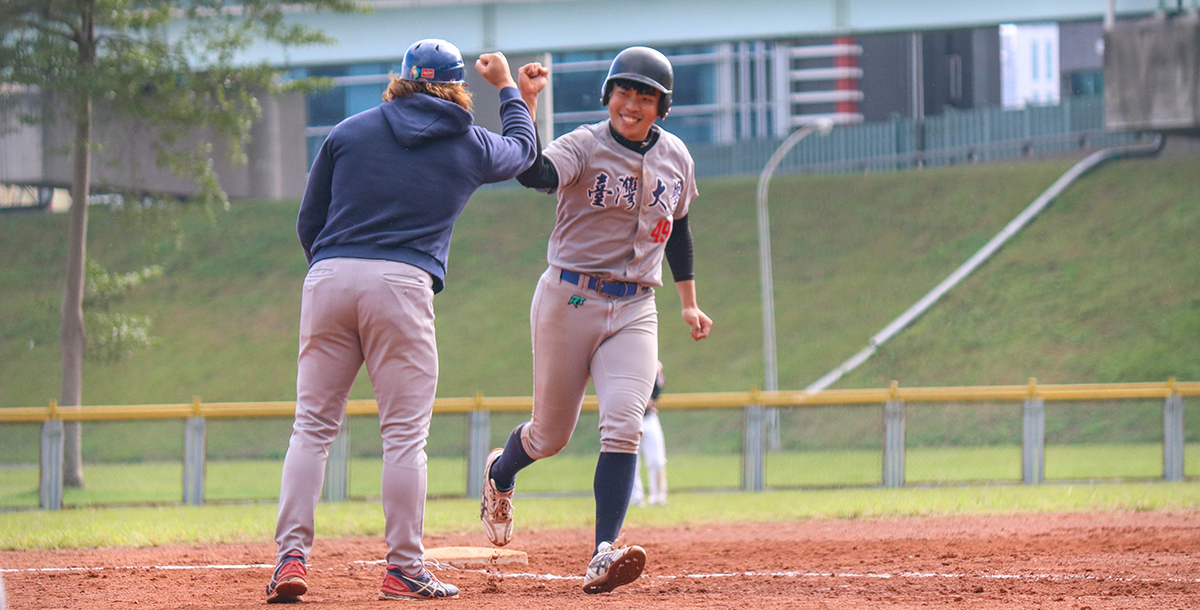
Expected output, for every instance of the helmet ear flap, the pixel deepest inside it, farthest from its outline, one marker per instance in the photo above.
(608, 87)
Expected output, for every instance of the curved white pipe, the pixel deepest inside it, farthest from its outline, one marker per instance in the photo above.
(1012, 228)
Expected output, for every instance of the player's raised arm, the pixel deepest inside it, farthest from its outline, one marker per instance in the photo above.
(541, 175)
(532, 79)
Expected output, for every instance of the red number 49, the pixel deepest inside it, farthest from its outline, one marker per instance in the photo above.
(661, 232)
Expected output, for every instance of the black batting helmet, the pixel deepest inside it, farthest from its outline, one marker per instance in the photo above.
(643, 65)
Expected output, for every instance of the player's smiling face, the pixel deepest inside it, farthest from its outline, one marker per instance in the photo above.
(632, 113)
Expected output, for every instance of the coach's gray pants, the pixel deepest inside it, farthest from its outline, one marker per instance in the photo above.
(613, 340)
(355, 311)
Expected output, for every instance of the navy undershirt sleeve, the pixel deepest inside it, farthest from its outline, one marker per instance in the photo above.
(541, 175)
(679, 251)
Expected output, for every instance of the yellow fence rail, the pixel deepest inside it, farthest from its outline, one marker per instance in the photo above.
(703, 400)
(754, 403)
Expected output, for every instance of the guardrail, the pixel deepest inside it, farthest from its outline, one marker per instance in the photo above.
(478, 409)
(952, 137)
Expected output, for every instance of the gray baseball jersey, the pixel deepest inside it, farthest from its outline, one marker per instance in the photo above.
(615, 206)
(615, 212)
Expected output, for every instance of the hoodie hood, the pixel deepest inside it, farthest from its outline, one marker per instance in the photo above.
(423, 117)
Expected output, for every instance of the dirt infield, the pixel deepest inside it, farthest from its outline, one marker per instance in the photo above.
(1077, 561)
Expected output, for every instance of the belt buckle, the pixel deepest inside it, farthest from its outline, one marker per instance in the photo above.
(600, 286)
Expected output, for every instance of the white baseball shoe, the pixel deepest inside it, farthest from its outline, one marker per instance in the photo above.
(613, 567)
(496, 507)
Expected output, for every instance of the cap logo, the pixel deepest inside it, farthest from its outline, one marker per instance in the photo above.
(426, 72)
(413, 72)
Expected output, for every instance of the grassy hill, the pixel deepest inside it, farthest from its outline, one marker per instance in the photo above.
(1103, 287)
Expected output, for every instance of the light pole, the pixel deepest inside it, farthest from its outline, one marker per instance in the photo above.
(771, 375)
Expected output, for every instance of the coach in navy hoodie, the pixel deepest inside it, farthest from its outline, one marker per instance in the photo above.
(389, 182)
(375, 224)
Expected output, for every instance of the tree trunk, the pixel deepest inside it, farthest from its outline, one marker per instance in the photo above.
(71, 339)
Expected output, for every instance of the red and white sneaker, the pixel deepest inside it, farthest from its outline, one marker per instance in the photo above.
(288, 582)
(424, 585)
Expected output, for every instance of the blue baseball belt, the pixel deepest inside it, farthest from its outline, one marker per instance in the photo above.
(609, 287)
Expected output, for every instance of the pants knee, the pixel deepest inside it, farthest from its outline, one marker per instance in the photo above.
(619, 445)
(540, 446)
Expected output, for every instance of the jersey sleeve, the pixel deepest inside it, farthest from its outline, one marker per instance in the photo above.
(689, 192)
(569, 155)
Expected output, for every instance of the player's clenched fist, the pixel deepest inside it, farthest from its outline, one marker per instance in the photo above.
(493, 67)
(699, 322)
(532, 78)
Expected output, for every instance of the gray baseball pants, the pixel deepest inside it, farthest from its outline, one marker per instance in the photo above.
(381, 313)
(614, 340)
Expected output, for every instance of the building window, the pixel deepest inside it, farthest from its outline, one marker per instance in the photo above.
(356, 88)
(1088, 82)
(956, 78)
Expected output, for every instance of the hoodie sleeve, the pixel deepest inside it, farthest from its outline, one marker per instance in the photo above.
(507, 155)
(314, 207)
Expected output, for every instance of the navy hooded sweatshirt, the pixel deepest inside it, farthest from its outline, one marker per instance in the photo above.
(389, 182)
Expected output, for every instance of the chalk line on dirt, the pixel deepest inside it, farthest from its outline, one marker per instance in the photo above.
(748, 574)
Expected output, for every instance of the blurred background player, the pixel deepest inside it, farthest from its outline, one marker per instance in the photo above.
(375, 224)
(652, 452)
(624, 187)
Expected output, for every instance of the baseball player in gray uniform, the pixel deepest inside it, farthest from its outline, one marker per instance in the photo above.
(624, 187)
(652, 451)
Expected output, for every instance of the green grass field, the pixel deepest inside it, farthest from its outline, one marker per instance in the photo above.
(156, 526)
(258, 480)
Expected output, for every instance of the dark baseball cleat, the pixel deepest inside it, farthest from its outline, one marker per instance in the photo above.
(400, 586)
(496, 507)
(288, 582)
(613, 567)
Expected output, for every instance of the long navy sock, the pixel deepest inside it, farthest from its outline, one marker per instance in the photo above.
(612, 486)
(504, 471)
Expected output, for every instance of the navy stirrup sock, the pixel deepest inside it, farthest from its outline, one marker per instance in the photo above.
(504, 471)
(612, 486)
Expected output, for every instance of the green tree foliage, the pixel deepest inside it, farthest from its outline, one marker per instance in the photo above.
(171, 68)
(112, 335)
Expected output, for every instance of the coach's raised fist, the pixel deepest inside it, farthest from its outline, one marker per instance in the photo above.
(493, 67)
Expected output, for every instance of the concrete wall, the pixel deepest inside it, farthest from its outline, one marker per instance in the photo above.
(1152, 74)
(1081, 46)
(278, 159)
(124, 158)
(20, 143)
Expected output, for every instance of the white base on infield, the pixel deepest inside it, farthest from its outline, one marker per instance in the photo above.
(459, 556)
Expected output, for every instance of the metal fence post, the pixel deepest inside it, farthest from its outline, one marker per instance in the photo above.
(753, 448)
(478, 445)
(893, 442)
(337, 467)
(195, 455)
(1173, 436)
(50, 488)
(1033, 435)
